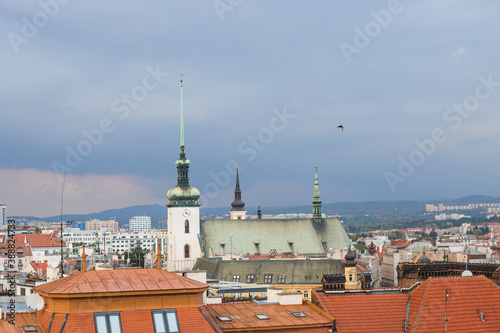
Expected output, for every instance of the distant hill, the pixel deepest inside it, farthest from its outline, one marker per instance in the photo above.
(369, 212)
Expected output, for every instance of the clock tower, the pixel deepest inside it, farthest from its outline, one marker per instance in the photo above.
(183, 215)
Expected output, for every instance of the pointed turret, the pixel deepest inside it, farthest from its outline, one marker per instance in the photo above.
(183, 194)
(259, 213)
(316, 200)
(84, 260)
(238, 211)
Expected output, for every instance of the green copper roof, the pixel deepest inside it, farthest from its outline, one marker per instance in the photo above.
(302, 236)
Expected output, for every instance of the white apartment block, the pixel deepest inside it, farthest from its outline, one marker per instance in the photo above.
(140, 223)
(111, 242)
(126, 241)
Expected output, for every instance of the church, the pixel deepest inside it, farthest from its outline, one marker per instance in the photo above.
(190, 237)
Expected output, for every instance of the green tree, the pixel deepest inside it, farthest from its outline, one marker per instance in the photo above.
(136, 256)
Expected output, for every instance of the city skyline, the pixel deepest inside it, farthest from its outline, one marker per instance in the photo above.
(414, 86)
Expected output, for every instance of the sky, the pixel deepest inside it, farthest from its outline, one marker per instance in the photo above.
(91, 90)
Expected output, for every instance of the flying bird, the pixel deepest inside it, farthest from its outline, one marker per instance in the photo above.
(341, 127)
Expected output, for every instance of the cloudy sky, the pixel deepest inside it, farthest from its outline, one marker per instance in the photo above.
(91, 89)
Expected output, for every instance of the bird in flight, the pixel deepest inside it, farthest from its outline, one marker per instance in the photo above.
(341, 127)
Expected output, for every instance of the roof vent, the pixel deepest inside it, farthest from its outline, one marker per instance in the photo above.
(481, 315)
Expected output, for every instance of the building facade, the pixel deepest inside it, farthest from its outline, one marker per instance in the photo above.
(140, 223)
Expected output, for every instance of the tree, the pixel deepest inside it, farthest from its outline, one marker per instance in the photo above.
(136, 256)
(433, 234)
(38, 230)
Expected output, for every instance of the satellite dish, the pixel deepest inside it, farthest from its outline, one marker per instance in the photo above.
(466, 273)
(35, 301)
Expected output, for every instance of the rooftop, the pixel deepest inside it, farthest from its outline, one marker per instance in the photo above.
(148, 280)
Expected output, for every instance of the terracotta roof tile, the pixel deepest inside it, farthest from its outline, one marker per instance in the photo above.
(129, 280)
(192, 320)
(133, 320)
(243, 317)
(364, 312)
(39, 240)
(41, 265)
(22, 319)
(467, 297)
(79, 322)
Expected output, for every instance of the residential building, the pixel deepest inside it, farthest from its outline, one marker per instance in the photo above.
(97, 225)
(140, 223)
(289, 275)
(440, 304)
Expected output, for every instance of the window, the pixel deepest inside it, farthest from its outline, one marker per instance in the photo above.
(306, 294)
(107, 322)
(268, 278)
(350, 277)
(299, 314)
(165, 321)
(186, 226)
(250, 278)
(186, 251)
(281, 278)
(236, 278)
(223, 318)
(23, 291)
(262, 316)
(223, 278)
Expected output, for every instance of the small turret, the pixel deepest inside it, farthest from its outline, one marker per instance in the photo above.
(316, 201)
(238, 211)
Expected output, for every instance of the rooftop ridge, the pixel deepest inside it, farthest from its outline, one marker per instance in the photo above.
(429, 280)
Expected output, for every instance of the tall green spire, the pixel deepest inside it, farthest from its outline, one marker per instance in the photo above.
(183, 195)
(182, 119)
(316, 200)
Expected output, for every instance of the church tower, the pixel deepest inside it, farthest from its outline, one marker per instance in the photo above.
(238, 211)
(183, 215)
(316, 201)
(351, 274)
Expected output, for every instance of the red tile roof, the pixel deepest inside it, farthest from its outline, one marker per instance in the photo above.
(22, 319)
(192, 320)
(365, 312)
(40, 265)
(243, 317)
(39, 240)
(467, 297)
(133, 320)
(129, 280)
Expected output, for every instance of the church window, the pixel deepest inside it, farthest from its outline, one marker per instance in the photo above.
(268, 278)
(250, 278)
(186, 226)
(186, 251)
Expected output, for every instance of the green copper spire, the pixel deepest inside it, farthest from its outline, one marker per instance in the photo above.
(183, 195)
(182, 119)
(316, 200)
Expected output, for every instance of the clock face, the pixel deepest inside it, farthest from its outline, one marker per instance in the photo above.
(186, 212)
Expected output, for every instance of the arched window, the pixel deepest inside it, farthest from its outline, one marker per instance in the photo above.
(186, 251)
(186, 226)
